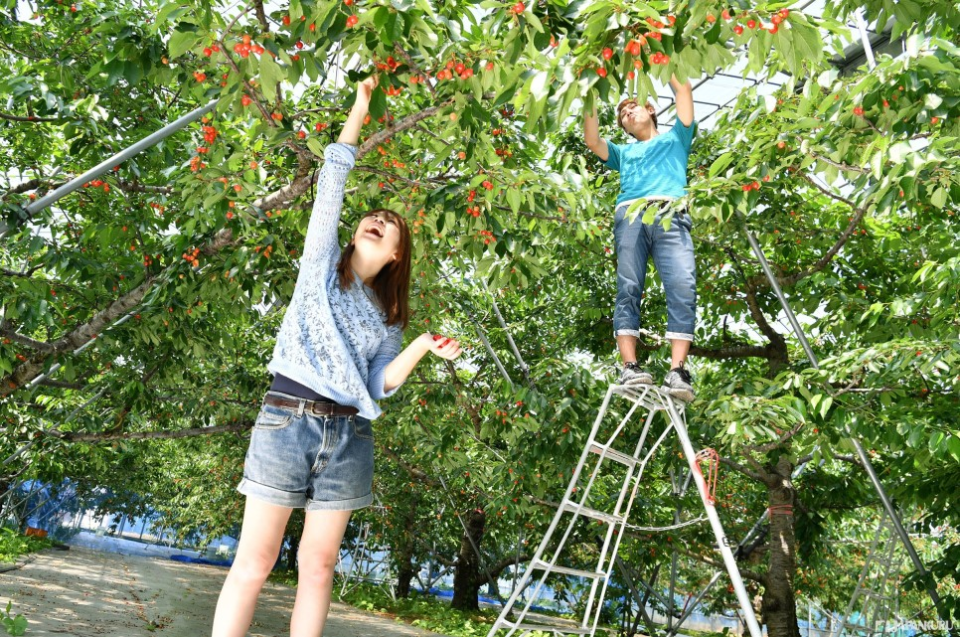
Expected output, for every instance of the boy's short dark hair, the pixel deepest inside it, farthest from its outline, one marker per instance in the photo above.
(627, 102)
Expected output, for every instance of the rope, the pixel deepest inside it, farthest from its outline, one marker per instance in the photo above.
(780, 509)
(710, 487)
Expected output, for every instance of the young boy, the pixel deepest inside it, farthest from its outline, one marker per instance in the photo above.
(653, 168)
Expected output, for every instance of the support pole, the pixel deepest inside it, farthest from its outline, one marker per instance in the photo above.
(115, 160)
(861, 452)
(746, 604)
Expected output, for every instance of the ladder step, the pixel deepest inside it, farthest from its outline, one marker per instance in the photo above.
(576, 572)
(607, 452)
(579, 509)
(556, 630)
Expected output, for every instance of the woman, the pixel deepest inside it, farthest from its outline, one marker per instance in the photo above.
(337, 352)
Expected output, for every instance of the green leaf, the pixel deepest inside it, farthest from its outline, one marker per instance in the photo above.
(270, 76)
(720, 164)
(181, 42)
(315, 146)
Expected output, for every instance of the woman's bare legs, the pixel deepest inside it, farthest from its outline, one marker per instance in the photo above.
(319, 549)
(260, 538)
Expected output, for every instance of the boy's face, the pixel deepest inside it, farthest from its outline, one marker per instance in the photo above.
(636, 118)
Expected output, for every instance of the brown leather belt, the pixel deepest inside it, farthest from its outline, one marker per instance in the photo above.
(315, 407)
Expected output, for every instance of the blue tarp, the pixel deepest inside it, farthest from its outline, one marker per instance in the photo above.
(200, 560)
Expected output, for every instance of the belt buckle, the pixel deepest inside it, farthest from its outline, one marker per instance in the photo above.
(321, 408)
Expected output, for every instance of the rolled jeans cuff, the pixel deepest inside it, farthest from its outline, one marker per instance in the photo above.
(633, 333)
(678, 336)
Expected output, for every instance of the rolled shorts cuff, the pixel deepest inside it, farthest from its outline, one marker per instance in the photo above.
(340, 505)
(634, 333)
(271, 495)
(678, 336)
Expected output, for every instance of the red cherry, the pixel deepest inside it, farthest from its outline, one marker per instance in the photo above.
(725, 14)
(602, 72)
(934, 120)
(607, 53)
(437, 337)
(738, 30)
(858, 110)
(299, 44)
(711, 18)
(352, 21)
(286, 20)
(301, 134)
(751, 24)
(518, 8)
(245, 100)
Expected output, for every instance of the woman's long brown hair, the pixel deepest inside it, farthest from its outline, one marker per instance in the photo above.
(392, 283)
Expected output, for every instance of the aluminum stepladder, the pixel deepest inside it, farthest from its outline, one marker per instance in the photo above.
(647, 401)
(876, 594)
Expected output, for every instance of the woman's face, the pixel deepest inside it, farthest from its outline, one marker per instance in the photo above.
(378, 237)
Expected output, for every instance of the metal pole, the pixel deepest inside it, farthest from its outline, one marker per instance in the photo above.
(115, 160)
(746, 604)
(864, 38)
(861, 452)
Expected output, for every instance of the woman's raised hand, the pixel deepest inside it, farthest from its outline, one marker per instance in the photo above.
(365, 88)
(351, 129)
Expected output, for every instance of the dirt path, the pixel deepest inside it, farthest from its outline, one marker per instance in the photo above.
(84, 593)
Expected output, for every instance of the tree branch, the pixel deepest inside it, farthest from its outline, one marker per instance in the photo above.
(28, 118)
(149, 435)
(753, 475)
(7, 330)
(751, 575)
(33, 367)
(413, 471)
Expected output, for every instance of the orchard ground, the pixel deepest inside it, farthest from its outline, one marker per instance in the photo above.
(83, 593)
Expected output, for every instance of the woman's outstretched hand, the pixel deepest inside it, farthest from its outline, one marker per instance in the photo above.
(366, 87)
(442, 346)
(351, 129)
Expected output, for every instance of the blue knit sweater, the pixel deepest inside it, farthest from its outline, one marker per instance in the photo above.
(334, 341)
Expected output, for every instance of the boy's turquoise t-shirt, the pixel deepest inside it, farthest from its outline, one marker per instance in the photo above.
(653, 168)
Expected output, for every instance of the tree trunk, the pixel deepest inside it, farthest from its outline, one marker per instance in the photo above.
(403, 550)
(466, 577)
(4, 488)
(779, 606)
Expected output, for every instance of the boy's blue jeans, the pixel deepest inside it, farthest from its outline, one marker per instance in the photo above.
(672, 252)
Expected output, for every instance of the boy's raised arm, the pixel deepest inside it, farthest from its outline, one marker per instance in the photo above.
(684, 97)
(591, 135)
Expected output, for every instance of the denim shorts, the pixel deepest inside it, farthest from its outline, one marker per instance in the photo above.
(299, 460)
(672, 251)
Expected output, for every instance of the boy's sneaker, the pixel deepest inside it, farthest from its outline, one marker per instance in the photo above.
(632, 375)
(679, 385)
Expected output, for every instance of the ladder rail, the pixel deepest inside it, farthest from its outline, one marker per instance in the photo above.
(728, 559)
(554, 523)
(653, 401)
(633, 493)
(618, 512)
